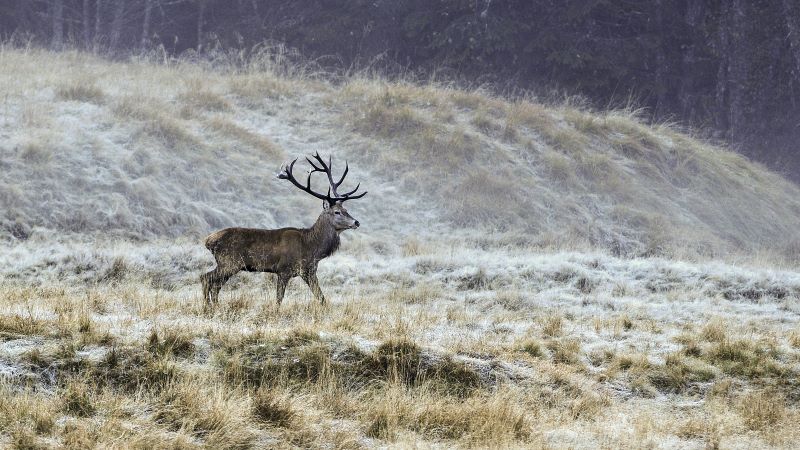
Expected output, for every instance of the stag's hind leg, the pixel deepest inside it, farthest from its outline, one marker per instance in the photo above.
(213, 282)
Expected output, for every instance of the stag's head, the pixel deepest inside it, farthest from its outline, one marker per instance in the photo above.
(339, 217)
(332, 207)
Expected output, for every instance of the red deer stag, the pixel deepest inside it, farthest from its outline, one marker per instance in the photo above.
(286, 252)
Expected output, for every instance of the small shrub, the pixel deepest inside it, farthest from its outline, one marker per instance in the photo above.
(531, 347)
(81, 92)
(565, 351)
(714, 331)
(399, 360)
(77, 400)
(762, 410)
(270, 409)
(204, 99)
(553, 325)
(174, 342)
(381, 426)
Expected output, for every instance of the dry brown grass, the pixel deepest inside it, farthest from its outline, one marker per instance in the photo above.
(232, 130)
(81, 91)
(436, 336)
(248, 373)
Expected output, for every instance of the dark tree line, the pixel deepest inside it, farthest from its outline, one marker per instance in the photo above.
(729, 66)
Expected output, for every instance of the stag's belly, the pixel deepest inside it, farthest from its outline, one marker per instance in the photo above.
(284, 256)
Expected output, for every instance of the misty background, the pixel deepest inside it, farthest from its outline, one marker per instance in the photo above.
(728, 68)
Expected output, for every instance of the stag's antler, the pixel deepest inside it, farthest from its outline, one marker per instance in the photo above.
(286, 174)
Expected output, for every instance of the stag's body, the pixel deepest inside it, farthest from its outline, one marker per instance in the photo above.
(286, 252)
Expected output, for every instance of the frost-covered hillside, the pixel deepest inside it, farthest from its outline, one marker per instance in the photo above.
(144, 150)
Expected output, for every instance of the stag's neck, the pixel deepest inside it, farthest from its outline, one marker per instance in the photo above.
(322, 238)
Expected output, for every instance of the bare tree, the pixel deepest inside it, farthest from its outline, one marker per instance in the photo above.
(148, 9)
(792, 14)
(87, 33)
(116, 24)
(57, 15)
(201, 9)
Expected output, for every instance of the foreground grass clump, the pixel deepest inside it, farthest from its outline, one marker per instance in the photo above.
(303, 358)
(745, 358)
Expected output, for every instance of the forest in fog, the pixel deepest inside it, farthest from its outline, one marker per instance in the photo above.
(729, 68)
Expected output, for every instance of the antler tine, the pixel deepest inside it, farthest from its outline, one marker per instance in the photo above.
(352, 192)
(316, 169)
(287, 173)
(308, 180)
(352, 198)
(348, 196)
(327, 169)
(344, 174)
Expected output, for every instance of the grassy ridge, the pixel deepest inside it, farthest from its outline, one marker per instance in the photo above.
(144, 150)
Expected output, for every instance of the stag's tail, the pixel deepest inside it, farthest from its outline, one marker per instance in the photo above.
(213, 239)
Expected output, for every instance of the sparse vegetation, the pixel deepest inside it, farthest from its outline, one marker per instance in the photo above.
(529, 301)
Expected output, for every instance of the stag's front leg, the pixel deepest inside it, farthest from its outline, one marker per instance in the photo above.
(310, 277)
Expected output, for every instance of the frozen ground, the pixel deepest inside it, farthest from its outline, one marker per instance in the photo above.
(591, 341)
(526, 275)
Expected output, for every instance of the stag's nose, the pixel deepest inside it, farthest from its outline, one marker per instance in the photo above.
(356, 224)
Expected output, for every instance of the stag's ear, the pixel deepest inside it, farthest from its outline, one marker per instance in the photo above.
(325, 204)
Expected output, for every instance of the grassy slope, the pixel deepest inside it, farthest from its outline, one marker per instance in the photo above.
(438, 332)
(145, 151)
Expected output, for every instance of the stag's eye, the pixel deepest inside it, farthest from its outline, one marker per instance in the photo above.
(337, 213)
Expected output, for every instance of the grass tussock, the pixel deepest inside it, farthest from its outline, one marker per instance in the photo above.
(274, 410)
(203, 99)
(378, 119)
(232, 130)
(36, 151)
(16, 324)
(78, 399)
(151, 114)
(253, 89)
(81, 91)
(762, 410)
(216, 415)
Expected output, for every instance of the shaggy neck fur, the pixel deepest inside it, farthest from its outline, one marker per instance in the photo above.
(323, 237)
